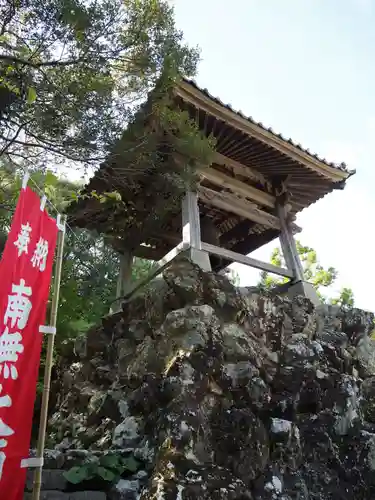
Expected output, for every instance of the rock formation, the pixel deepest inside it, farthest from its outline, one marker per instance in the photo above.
(218, 392)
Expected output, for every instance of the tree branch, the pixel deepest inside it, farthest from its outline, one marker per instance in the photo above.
(44, 145)
(8, 17)
(36, 65)
(14, 138)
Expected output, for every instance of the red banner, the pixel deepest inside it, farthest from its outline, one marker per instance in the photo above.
(25, 275)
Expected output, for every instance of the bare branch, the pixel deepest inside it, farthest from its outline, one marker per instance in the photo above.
(8, 17)
(52, 149)
(14, 138)
(36, 65)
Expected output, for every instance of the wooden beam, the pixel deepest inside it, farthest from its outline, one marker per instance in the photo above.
(165, 237)
(249, 244)
(248, 261)
(174, 238)
(243, 170)
(238, 187)
(159, 267)
(236, 233)
(243, 208)
(149, 253)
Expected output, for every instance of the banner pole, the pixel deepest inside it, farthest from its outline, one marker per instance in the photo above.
(49, 362)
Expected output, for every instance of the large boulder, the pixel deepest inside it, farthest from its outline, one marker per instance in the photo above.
(225, 393)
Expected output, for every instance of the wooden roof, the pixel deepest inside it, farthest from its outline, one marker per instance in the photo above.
(237, 191)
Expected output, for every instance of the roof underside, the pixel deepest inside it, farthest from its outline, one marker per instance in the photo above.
(248, 153)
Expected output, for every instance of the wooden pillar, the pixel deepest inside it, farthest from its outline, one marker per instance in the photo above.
(191, 231)
(191, 226)
(125, 273)
(292, 260)
(288, 245)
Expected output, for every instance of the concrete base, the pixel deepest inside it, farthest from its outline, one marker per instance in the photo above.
(306, 289)
(200, 258)
(116, 306)
(298, 288)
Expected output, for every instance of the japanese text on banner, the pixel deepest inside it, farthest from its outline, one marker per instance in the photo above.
(26, 269)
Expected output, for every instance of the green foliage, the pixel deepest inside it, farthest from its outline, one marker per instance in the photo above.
(314, 273)
(90, 267)
(31, 95)
(234, 277)
(10, 185)
(345, 298)
(108, 467)
(73, 73)
(157, 163)
(105, 197)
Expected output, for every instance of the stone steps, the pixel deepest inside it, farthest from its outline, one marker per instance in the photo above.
(59, 495)
(53, 486)
(52, 479)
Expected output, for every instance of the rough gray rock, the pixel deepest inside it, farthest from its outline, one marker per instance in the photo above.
(125, 489)
(225, 393)
(128, 433)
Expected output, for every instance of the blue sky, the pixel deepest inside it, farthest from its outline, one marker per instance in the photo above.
(306, 68)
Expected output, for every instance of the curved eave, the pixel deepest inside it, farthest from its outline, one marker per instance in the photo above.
(190, 93)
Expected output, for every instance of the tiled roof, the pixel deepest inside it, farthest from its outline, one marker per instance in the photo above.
(239, 139)
(340, 166)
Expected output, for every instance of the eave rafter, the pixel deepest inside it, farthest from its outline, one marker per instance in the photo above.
(188, 93)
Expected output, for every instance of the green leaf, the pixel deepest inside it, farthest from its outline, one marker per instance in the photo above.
(106, 474)
(50, 191)
(112, 462)
(51, 179)
(76, 475)
(31, 95)
(94, 194)
(114, 195)
(131, 464)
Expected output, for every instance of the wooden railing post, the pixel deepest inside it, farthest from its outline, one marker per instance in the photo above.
(191, 231)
